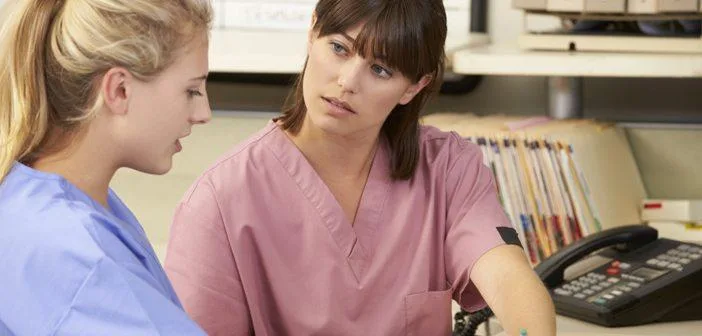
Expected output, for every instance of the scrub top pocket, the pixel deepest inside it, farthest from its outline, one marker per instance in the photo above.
(428, 313)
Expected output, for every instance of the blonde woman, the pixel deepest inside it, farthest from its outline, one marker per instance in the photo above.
(88, 87)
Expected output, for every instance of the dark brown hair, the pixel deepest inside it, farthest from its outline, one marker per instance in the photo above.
(410, 36)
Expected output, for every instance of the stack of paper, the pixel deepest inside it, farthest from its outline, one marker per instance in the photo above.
(679, 219)
(558, 180)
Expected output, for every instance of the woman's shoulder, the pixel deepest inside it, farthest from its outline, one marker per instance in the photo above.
(241, 154)
(436, 144)
(243, 164)
(41, 202)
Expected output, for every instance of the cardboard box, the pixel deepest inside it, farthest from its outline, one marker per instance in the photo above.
(662, 6)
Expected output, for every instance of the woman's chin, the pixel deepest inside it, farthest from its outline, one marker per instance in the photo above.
(157, 168)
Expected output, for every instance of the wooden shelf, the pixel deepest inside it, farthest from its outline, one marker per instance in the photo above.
(510, 60)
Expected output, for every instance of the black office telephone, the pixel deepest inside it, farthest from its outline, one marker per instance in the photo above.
(623, 276)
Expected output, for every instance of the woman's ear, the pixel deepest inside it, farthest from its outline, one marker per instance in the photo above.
(116, 89)
(415, 88)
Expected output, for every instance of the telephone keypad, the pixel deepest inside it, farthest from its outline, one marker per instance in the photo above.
(676, 258)
(600, 289)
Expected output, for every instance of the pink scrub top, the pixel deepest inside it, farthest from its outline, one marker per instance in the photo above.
(260, 245)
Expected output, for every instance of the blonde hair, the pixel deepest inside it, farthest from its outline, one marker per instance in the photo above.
(53, 54)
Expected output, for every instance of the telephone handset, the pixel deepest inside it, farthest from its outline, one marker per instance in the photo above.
(625, 238)
(622, 276)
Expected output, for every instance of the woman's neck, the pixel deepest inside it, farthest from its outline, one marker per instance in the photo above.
(84, 165)
(335, 156)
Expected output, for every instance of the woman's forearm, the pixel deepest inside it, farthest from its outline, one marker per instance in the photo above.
(514, 292)
(527, 306)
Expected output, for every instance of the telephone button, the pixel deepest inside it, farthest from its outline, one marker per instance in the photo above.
(600, 301)
(694, 256)
(624, 266)
(684, 261)
(653, 262)
(579, 296)
(684, 247)
(613, 280)
(589, 279)
(625, 288)
(608, 296)
(617, 292)
(563, 292)
(631, 277)
(634, 284)
(613, 271)
(596, 288)
(569, 287)
(588, 292)
(615, 263)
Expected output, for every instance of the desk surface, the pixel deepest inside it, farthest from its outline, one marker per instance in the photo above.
(571, 327)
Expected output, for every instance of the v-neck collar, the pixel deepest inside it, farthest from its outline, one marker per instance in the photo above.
(356, 242)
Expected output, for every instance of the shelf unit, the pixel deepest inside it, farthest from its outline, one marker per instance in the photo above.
(566, 70)
(284, 52)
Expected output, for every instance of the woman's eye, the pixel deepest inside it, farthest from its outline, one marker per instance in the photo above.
(337, 48)
(381, 71)
(194, 93)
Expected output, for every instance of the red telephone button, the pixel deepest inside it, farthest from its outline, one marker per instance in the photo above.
(615, 263)
(612, 271)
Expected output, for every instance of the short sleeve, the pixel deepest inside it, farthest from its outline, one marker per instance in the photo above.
(475, 221)
(202, 268)
(115, 300)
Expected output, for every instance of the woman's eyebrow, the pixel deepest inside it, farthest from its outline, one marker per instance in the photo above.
(348, 37)
(201, 78)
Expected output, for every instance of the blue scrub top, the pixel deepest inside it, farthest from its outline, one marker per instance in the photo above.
(69, 266)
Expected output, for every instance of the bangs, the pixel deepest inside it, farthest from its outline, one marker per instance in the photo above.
(396, 35)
